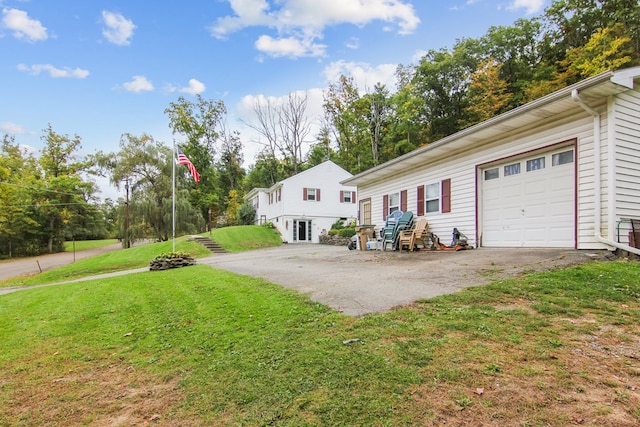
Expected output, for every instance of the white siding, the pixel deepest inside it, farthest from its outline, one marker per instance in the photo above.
(461, 168)
(618, 183)
(292, 207)
(626, 118)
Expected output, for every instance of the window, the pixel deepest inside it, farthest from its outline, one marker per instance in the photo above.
(491, 174)
(347, 196)
(513, 169)
(311, 194)
(394, 202)
(432, 197)
(562, 158)
(279, 194)
(535, 164)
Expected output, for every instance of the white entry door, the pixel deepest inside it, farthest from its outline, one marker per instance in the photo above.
(529, 202)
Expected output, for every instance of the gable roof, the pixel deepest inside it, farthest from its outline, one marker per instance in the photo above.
(325, 164)
(593, 89)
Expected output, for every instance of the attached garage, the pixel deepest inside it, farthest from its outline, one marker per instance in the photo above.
(529, 201)
(561, 171)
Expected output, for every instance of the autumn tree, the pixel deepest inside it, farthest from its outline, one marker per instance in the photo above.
(488, 95)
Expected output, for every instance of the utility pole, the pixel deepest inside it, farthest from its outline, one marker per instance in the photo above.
(126, 226)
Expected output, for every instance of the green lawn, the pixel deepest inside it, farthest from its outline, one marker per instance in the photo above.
(198, 346)
(233, 239)
(246, 237)
(82, 245)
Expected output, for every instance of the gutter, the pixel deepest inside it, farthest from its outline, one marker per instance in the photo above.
(575, 95)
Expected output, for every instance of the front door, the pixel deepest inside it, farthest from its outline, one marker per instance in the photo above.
(302, 230)
(365, 212)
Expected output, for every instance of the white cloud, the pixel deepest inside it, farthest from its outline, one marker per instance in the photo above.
(23, 27)
(418, 55)
(195, 87)
(12, 128)
(55, 72)
(365, 76)
(299, 23)
(118, 29)
(138, 84)
(353, 43)
(289, 46)
(532, 6)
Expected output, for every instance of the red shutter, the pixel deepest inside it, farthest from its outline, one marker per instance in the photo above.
(385, 207)
(341, 196)
(304, 194)
(420, 200)
(317, 194)
(353, 197)
(403, 200)
(446, 195)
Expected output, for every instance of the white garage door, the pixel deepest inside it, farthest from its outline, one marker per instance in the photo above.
(529, 202)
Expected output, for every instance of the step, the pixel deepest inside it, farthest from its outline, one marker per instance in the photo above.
(209, 244)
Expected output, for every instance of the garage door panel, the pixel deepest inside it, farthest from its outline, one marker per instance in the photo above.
(534, 209)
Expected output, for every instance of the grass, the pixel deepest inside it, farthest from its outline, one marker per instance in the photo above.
(198, 346)
(81, 245)
(233, 239)
(124, 259)
(246, 237)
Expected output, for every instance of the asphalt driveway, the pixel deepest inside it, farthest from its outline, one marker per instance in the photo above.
(361, 282)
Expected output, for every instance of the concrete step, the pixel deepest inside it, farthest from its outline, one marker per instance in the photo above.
(209, 244)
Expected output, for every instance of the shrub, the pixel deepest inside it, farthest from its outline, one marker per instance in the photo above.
(269, 225)
(347, 232)
(338, 225)
(246, 214)
(333, 232)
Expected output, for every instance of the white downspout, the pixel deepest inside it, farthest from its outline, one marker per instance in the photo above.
(597, 174)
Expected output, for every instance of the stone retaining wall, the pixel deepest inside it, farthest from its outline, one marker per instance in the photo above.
(334, 240)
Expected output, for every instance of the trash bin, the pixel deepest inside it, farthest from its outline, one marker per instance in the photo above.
(364, 233)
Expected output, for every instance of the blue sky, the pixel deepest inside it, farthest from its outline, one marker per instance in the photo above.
(101, 68)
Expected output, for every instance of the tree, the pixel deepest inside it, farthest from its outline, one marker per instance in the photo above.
(519, 52)
(266, 171)
(145, 165)
(17, 176)
(285, 126)
(229, 165)
(441, 83)
(488, 93)
(346, 113)
(63, 198)
(199, 122)
(233, 206)
(322, 151)
(378, 118)
(246, 214)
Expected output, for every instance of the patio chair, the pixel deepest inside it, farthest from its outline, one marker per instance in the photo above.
(404, 223)
(411, 238)
(390, 224)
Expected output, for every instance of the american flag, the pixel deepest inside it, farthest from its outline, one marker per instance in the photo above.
(184, 160)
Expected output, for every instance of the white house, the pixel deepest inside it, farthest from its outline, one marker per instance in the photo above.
(561, 171)
(306, 205)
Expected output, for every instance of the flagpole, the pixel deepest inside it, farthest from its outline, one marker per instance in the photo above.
(173, 198)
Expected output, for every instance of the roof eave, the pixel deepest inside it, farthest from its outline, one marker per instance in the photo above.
(623, 78)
